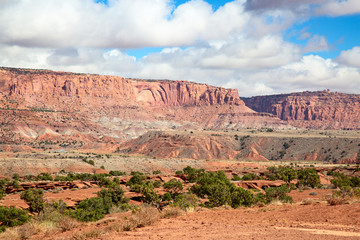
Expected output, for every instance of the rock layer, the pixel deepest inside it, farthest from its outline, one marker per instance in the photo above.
(260, 147)
(50, 87)
(48, 106)
(321, 110)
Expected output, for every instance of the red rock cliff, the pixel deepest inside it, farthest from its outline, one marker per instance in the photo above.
(322, 109)
(47, 86)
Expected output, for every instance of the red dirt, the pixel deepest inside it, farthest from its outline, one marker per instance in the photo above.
(318, 221)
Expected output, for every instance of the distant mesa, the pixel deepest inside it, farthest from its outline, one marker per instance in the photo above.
(317, 110)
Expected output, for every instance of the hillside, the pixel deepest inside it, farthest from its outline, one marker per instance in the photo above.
(58, 106)
(282, 145)
(319, 110)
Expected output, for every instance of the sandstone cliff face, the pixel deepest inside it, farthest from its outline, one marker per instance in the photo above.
(48, 105)
(47, 86)
(322, 109)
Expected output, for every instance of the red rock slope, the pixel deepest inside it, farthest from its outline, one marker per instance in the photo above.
(322, 109)
(38, 102)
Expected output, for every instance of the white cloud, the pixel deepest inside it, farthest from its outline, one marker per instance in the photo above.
(122, 24)
(350, 57)
(316, 44)
(240, 45)
(260, 5)
(15, 56)
(240, 53)
(339, 7)
(311, 73)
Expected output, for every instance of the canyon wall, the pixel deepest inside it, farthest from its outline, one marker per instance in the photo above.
(48, 105)
(47, 86)
(321, 110)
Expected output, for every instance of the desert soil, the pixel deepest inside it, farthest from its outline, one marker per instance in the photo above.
(318, 221)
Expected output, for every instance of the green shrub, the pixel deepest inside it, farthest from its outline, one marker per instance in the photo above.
(52, 212)
(241, 197)
(250, 176)
(236, 178)
(133, 173)
(179, 172)
(117, 173)
(149, 194)
(186, 201)
(34, 198)
(157, 184)
(206, 180)
(278, 193)
(116, 181)
(287, 174)
(136, 179)
(14, 184)
(340, 180)
(30, 178)
(174, 186)
(44, 177)
(193, 174)
(308, 177)
(116, 195)
(91, 209)
(11, 217)
(106, 182)
(135, 188)
(3, 183)
(219, 194)
(62, 179)
(355, 181)
(286, 145)
(166, 197)
(156, 172)
(16, 177)
(215, 186)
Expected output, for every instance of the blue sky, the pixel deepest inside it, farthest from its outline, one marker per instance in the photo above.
(341, 32)
(256, 46)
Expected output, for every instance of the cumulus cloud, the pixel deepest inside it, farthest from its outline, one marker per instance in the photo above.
(240, 45)
(122, 24)
(15, 56)
(311, 73)
(252, 72)
(339, 7)
(260, 5)
(350, 57)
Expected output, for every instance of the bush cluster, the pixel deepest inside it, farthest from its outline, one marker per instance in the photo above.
(82, 176)
(93, 209)
(11, 217)
(306, 177)
(34, 198)
(219, 190)
(349, 187)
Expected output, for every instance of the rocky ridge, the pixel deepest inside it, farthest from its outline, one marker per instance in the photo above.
(46, 105)
(319, 110)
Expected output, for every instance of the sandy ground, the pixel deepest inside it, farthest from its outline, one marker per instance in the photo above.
(318, 221)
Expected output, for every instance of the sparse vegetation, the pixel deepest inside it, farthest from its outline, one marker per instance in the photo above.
(34, 198)
(11, 217)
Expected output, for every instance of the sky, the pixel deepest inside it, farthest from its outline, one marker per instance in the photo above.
(259, 47)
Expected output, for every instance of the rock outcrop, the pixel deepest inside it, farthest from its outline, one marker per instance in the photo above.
(321, 110)
(51, 106)
(42, 86)
(264, 146)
